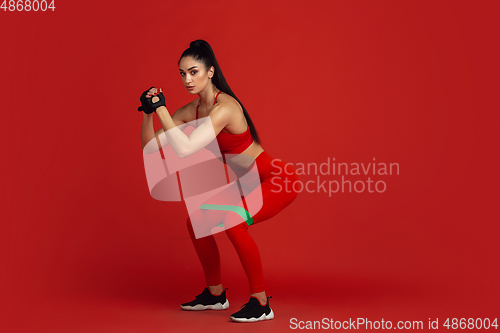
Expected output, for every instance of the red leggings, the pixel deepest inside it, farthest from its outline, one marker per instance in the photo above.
(273, 174)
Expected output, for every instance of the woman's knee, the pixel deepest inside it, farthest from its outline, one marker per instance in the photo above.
(234, 225)
(195, 219)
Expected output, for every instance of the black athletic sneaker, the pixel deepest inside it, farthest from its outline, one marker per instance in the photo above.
(253, 311)
(207, 301)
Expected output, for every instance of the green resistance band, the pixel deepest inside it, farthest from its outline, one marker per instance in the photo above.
(245, 215)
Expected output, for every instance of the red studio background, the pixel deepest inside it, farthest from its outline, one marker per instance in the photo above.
(84, 247)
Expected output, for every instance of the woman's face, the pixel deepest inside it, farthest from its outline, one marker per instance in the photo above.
(194, 75)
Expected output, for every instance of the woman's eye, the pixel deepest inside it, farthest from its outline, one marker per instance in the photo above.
(193, 72)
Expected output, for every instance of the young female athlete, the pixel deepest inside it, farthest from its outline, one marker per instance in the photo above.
(236, 135)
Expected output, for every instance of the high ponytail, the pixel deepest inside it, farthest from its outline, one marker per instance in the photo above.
(201, 51)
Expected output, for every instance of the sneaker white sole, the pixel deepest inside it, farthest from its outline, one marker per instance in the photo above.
(200, 307)
(252, 320)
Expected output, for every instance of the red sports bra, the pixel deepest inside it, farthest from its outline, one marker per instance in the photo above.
(231, 143)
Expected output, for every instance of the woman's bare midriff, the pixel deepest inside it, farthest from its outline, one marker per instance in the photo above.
(246, 158)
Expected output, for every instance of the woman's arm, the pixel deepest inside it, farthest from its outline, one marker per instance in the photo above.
(148, 133)
(184, 145)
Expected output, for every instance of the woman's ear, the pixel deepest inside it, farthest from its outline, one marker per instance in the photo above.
(211, 72)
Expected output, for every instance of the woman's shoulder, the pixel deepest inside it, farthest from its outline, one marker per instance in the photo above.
(229, 108)
(228, 102)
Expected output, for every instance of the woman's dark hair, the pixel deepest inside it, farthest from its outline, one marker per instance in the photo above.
(201, 51)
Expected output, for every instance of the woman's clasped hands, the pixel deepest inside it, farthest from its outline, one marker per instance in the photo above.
(151, 100)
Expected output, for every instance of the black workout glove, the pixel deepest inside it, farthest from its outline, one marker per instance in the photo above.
(147, 104)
